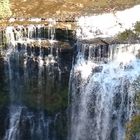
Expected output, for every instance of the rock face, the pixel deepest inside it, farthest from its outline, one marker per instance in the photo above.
(3, 98)
(40, 101)
(37, 109)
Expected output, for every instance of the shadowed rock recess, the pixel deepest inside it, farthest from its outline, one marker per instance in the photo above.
(35, 64)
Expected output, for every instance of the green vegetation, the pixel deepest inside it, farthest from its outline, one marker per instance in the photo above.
(5, 9)
(57, 101)
(126, 35)
(137, 101)
(133, 128)
(137, 28)
(51, 98)
(129, 34)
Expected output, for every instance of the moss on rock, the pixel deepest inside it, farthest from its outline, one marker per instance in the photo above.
(137, 28)
(54, 100)
(133, 128)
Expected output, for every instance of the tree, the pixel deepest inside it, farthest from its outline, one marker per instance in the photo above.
(5, 9)
(137, 27)
(133, 128)
(127, 35)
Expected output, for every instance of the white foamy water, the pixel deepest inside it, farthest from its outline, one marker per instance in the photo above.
(31, 33)
(107, 24)
(103, 77)
(36, 61)
(102, 100)
(13, 131)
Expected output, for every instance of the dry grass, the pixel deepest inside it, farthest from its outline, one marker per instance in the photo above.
(66, 8)
(62, 9)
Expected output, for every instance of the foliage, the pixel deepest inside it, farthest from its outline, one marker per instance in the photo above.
(133, 128)
(137, 101)
(126, 35)
(129, 34)
(137, 27)
(136, 87)
(55, 100)
(5, 9)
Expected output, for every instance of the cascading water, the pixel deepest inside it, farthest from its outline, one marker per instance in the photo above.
(102, 79)
(102, 92)
(33, 70)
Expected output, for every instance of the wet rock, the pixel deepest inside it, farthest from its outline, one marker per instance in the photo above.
(97, 69)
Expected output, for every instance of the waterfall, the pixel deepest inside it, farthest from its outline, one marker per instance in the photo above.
(33, 70)
(17, 75)
(103, 77)
(102, 91)
(108, 24)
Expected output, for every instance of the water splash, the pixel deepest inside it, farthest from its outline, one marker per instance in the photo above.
(108, 24)
(30, 68)
(102, 92)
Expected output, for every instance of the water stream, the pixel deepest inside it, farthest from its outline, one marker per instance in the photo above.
(34, 77)
(102, 91)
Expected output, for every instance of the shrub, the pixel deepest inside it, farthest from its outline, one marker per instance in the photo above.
(137, 27)
(5, 9)
(133, 128)
(127, 35)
